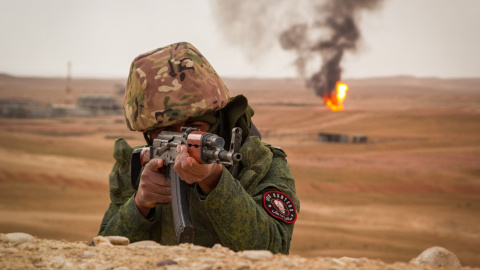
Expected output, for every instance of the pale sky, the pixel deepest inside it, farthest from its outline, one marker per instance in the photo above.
(434, 38)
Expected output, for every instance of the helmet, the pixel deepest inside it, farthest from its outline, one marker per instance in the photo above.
(166, 86)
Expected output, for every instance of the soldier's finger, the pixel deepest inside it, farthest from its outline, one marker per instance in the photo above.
(160, 190)
(163, 182)
(154, 164)
(182, 155)
(145, 156)
(152, 199)
(164, 199)
(193, 163)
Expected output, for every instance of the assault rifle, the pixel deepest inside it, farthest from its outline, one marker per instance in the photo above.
(205, 148)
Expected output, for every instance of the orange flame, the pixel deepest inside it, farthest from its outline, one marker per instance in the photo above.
(335, 101)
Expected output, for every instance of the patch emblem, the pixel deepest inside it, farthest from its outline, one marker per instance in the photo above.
(280, 206)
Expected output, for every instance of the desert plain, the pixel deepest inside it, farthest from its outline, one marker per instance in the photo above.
(414, 184)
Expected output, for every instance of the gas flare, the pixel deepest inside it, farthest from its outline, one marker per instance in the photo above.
(334, 101)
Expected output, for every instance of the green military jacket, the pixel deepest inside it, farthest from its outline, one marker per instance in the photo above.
(234, 214)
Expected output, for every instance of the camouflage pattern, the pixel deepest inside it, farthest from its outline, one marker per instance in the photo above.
(170, 84)
(232, 214)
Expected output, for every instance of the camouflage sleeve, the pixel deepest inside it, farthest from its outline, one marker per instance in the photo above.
(240, 219)
(122, 216)
(127, 221)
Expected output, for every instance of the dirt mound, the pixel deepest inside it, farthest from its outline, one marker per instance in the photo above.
(22, 251)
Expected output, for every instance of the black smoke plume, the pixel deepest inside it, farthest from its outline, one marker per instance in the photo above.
(337, 21)
(312, 29)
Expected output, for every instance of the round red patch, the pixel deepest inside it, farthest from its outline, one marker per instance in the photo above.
(280, 206)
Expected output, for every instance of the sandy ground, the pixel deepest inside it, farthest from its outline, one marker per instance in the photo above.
(415, 184)
(22, 251)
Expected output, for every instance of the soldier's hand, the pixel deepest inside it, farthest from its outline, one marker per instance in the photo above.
(145, 156)
(153, 188)
(206, 175)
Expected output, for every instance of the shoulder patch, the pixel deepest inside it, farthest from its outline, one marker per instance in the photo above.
(280, 206)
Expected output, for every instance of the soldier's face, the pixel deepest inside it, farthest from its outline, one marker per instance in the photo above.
(203, 126)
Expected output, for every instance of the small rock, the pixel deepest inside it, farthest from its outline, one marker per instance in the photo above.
(122, 268)
(339, 262)
(10, 250)
(145, 243)
(217, 246)
(256, 255)
(118, 240)
(437, 256)
(68, 247)
(105, 244)
(19, 238)
(99, 239)
(166, 262)
(287, 262)
(221, 249)
(88, 254)
(357, 261)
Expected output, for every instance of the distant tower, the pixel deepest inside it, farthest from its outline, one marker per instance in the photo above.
(68, 88)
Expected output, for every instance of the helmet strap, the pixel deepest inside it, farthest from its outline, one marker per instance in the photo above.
(147, 139)
(221, 127)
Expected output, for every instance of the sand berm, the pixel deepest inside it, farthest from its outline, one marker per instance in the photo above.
(24, 251)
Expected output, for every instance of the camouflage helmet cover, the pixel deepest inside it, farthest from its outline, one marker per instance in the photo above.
(168, 85)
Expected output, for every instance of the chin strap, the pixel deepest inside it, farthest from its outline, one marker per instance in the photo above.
(147, 139)
(221, 125)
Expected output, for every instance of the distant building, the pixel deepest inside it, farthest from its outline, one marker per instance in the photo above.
(100, 105)
(332, 137)
(23, 108)
(85, 106)
(341, 138)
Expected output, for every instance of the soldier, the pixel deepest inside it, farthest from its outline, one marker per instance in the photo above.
(175, 86)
